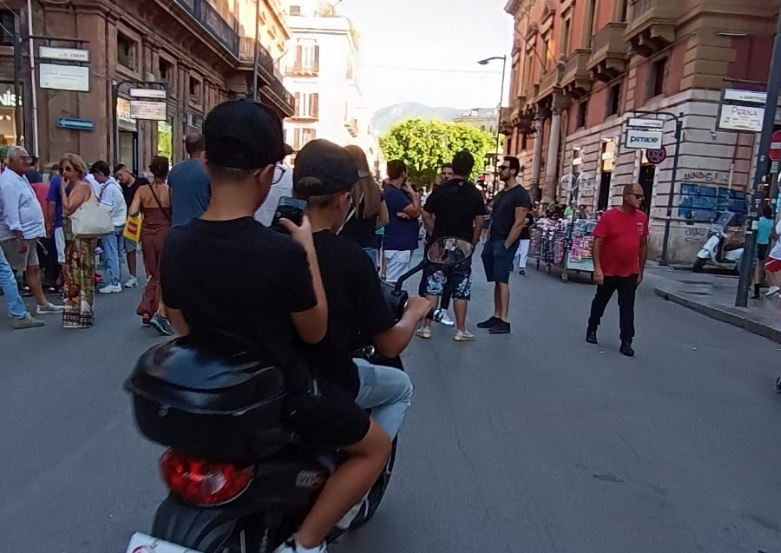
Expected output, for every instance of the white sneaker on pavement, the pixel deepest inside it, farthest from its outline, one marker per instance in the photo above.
(28, 321)
(50, 309)
(772, 290)
(464, 336)
(132, 282)
(423, 332)
(111, 289)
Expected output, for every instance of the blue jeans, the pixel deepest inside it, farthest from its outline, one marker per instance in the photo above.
(111, 247)
(374, 254)
(13, 300)
(387, 392)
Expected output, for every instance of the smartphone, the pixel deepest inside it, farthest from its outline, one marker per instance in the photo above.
(288, 208)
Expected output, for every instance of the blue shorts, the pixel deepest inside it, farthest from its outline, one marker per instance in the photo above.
(498, 261)
(128, 245)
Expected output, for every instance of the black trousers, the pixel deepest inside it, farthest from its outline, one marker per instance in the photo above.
(626, 287)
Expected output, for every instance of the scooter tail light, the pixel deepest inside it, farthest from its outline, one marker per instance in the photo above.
(203, 482)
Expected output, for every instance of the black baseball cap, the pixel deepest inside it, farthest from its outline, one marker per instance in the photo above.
(243, 134)
(329, 168)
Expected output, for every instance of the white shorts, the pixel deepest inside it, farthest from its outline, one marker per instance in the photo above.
(59, 243)
(397, 263)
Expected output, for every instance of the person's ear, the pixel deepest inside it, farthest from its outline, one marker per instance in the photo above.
(266, 175)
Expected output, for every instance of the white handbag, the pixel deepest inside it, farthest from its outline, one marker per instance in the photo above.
(92, 220)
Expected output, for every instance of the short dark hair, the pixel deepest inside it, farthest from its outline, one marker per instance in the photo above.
(463, 163)
(100, 167)
(447, 166)
(396, 168)
(119, 167)
(193, 144)
(159, 167)
(514, 164)
(767, 212)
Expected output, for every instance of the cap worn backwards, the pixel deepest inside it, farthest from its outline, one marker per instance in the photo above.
(242, 134)
(328, 168)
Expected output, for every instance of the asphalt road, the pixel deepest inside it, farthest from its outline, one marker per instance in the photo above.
(531, 442)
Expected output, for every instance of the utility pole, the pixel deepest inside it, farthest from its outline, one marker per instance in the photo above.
(759, 188)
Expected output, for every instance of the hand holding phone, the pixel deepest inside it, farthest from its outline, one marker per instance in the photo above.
(291, 209)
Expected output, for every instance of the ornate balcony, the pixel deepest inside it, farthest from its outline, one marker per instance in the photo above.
(651, 25)
(550, 82)
(608, 58)
(221, 30)
(576, 78)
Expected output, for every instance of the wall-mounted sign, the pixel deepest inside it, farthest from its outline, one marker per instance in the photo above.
(8, 99)
(195, 120)
(75, 124)
(741, 110)
(63, 54)
(126, 121)
(641, 139)
(148, 110)
(64, 77)
(152, 93)
(640, 123)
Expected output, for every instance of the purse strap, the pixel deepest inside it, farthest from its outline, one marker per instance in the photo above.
(157, 201)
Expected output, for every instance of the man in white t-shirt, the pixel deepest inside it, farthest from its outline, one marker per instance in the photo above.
(110, 194)
(281, 186)
(773, 263)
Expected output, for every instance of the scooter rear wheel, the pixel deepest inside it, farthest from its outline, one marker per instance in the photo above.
(699, 265)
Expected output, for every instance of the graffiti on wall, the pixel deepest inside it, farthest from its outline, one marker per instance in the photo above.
(698, 176)
(701, 204)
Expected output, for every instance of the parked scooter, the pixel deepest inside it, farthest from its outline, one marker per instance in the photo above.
(724, 246)
(239, 480)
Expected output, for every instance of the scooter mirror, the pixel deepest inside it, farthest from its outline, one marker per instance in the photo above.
(449, 251)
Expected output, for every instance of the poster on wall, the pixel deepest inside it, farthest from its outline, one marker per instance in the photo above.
(64, 77)
(148, 110)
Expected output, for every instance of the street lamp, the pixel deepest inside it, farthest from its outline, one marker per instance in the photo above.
(501, 99)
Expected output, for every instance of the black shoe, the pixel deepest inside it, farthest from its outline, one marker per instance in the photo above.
(756, 297)
(489, 323)
(522, 272)
(501, 327)
(591, 337)
(626, 348)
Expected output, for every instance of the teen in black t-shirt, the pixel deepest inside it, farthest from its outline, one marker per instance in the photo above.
(226, 274)
(357, 313)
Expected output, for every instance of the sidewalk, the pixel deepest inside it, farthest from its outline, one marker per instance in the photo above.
(714, 295)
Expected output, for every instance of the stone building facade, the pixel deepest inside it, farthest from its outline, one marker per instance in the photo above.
(582, 68)
(202, 51)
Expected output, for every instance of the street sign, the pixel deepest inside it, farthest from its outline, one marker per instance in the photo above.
(657, 156)
(741, 110)
(156, 93)
(148, 110)
(640, 139)
(75, 124)
(64, 77)
(640, 123)
(63, 54)
(775, 146)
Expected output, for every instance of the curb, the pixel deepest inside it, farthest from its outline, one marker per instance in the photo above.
(720, 314)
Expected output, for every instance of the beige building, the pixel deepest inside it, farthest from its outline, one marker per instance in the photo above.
(323, 75)
(201, 51)
(582, 68)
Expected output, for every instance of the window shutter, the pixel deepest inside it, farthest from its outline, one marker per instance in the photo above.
(316, 105)
(297, 139)
(317, 59)
(299, 57)
(298, 103)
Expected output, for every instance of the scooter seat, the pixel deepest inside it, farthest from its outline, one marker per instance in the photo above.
(732, 247)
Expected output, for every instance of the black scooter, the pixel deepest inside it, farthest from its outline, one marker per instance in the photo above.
(239, 481)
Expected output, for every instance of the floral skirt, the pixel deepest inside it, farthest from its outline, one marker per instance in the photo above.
(79, 279)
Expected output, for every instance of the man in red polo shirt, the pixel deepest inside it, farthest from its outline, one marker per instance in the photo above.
(620, 252)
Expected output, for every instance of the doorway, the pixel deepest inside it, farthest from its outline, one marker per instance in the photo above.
(128, 150)
(647, 173)
(605, 185)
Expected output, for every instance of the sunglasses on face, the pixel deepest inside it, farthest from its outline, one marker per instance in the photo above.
(638, 196)
(504, 168)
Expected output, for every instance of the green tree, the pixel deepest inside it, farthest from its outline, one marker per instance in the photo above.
(425, 145)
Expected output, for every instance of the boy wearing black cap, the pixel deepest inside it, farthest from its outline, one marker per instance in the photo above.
(324, 176)
(226, 273)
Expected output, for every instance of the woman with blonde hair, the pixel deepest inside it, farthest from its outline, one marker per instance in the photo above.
(370, 212)
(79, 266)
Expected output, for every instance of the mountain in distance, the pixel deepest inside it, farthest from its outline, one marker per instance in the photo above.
(385, 118)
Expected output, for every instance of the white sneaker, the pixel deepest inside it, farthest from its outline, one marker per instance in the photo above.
(132, 282)
(50, 309)
(28, 321)
(290, 547)
(772, 290)
(446, 320)
(111, 289)
(464, 336)
(423, 332)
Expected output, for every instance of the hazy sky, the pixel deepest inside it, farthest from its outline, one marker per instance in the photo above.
(409, 52)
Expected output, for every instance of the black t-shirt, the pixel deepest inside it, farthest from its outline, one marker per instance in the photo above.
(129, 192)
(503, 216)
(356, 309)
(241, 278)
(525, 233)
(361, 231)
(455, 204)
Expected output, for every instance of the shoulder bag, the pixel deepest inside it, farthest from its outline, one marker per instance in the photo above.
(91, 219)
